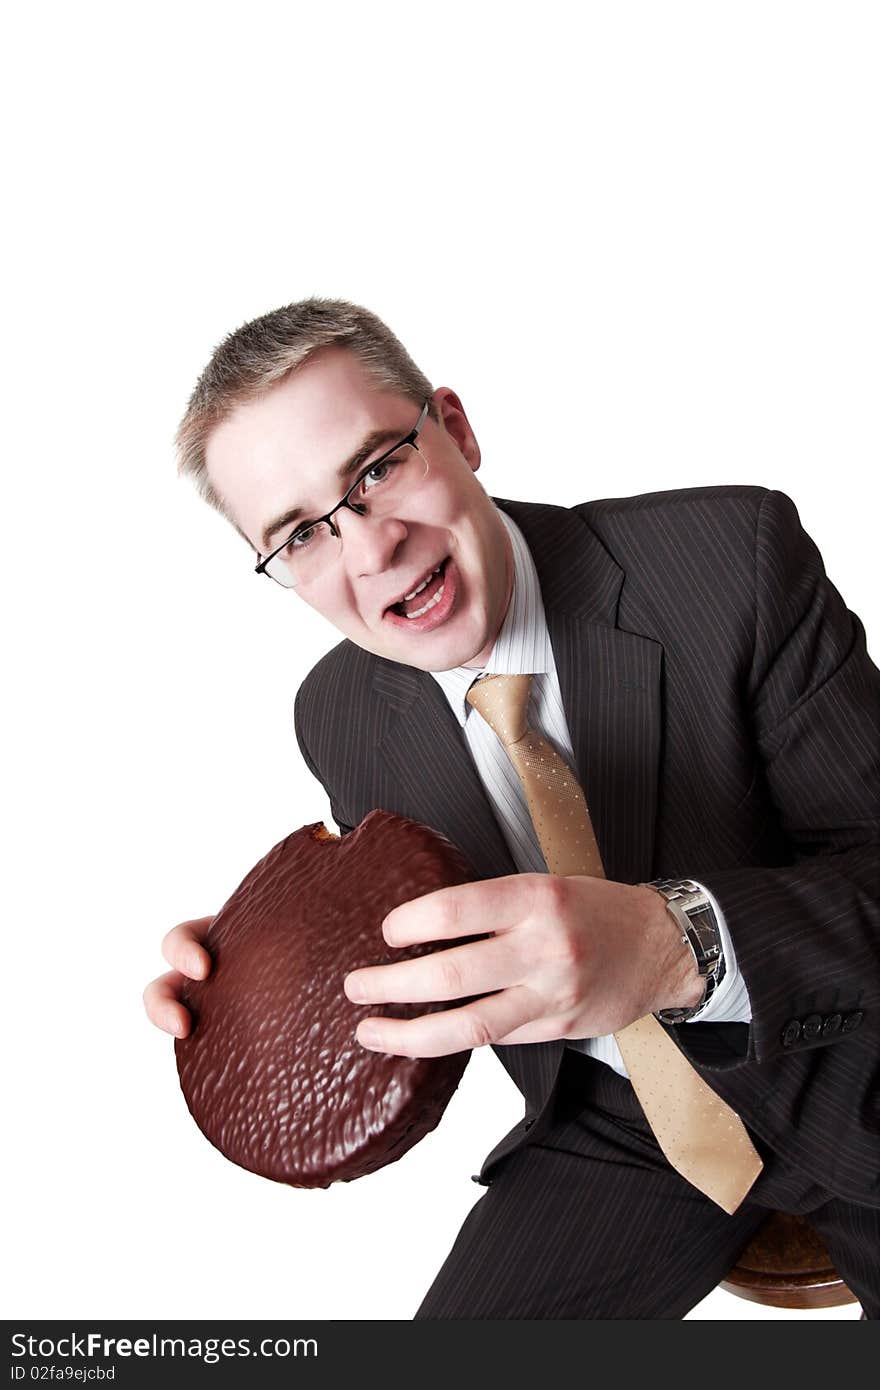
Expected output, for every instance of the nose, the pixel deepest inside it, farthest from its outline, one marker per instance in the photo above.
(369, 543)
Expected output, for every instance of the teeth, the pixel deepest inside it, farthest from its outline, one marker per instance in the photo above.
(432, 603)
(423, 583)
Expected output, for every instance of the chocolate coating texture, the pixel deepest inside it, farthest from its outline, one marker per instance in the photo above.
(271, 1071)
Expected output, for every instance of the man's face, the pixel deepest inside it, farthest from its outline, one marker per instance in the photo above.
(284, 450)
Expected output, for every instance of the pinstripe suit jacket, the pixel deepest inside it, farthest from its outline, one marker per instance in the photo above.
(725, 720)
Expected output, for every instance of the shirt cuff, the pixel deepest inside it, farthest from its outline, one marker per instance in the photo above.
(730, 1003)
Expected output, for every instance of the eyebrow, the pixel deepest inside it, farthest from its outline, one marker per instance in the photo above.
(369, 446)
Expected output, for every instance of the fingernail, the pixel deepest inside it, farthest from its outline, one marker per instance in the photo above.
(355, 991)
(172, 1025)
(368, 1036)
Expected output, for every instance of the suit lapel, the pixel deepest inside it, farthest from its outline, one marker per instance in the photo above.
(610, 683)
(429, 765)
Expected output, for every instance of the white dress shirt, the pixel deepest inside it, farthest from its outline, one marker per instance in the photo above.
(523, 646)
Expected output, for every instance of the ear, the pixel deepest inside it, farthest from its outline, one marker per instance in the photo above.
(454, 422)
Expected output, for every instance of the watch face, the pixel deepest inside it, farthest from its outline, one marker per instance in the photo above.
(689, 904)
(703, 924)
(704, 938)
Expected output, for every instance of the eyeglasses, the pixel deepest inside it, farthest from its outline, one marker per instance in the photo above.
(316, 545)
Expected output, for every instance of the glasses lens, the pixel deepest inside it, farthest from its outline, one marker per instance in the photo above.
(305, 556)
(383, 487)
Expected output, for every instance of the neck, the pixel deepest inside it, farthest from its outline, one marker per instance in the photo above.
(477, 662)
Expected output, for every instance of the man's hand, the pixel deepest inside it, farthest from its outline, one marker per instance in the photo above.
(561, 957)
(183, 949)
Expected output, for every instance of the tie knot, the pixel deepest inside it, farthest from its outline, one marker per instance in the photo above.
(502, 702)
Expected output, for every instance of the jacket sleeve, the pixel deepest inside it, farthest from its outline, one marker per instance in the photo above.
(807, 932)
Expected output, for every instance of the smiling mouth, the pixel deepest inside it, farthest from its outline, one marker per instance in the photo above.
(426, 595)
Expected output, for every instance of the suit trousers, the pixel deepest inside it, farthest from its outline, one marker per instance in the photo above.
(590, 1221)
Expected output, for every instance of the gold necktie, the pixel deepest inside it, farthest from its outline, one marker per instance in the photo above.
(701, 1136)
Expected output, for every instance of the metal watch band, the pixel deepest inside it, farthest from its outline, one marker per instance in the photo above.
(692, 911)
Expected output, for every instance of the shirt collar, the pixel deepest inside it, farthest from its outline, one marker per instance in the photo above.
(523, 644)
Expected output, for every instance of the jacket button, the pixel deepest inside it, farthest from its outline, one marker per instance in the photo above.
(831, 1025)
(791, 1032)
(852, 1022)
(527, 1124)
(812, 1027)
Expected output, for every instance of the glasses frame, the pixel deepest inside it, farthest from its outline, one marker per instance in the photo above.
(359, 508)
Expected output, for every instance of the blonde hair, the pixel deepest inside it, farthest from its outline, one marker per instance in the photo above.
(264, 351)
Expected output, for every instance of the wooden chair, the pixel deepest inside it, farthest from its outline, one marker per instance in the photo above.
(786, 1265)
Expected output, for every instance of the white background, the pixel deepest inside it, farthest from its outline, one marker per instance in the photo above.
(641, 242)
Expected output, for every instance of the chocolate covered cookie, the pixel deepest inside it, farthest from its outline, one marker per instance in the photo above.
(272, 1071)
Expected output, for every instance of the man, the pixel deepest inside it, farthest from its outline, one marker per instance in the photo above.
(695, 667)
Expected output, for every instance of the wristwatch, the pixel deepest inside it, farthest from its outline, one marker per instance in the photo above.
(689, 905)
